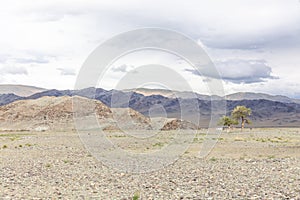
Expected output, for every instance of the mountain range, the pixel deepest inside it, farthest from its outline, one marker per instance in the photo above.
(267, 110)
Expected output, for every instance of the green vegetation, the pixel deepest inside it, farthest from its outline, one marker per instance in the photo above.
(213, 159)
(48, 165)
(136, 196)
(227, 121)
(272, 140)
(13, 136)
(158, 144)
(241, 113)
(271, 156)
(4, 146)
(196, 139)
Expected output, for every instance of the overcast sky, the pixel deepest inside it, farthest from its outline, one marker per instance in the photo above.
(254, 44)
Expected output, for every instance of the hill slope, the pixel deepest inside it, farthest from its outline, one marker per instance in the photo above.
(57, 113)
(20, 90)
(47, 113)
(8, 98)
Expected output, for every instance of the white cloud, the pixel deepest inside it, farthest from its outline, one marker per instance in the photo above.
(123, 68)
(13, 70)
(255, 40)
(240, 71)
(67, 71)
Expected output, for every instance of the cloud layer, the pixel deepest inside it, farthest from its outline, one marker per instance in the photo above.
(13, 70)
(251, 41)
(240, 71)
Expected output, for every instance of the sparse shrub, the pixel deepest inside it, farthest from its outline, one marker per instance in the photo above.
(158, 144)
(4, 146)
(48, 165)
(136, 196)
(213, 159)
(271, 156)
(14, 137)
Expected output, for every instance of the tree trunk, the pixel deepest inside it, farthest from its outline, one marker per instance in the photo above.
(243, 124)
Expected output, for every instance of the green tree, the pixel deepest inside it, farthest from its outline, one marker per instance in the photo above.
(241, 113)
(227, 121)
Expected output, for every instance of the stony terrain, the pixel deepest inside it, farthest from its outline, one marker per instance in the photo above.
(43, 157)
(256, 164)
(57, 113)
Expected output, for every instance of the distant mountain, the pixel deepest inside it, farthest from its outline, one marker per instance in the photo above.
(271, 111)
(267, 113)
(19, 90)
(172, 94)
(8, 98)
(235, 96)
(255, 96)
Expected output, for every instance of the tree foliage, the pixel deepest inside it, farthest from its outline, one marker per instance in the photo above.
(227, 121)
(241, 113)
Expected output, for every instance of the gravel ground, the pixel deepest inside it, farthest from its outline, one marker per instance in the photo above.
(57, 166)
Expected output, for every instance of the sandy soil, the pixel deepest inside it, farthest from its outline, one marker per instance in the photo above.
(256, 164)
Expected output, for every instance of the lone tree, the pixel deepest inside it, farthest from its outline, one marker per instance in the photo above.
(227, 121)
(241, 113)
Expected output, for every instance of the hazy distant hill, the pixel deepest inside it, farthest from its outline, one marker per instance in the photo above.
(19, 90)
(255, 96)
(171, 94)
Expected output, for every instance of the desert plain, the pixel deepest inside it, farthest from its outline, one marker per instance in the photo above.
(261, 163)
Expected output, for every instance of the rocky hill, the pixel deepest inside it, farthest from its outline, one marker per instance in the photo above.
(48, 113)
(57, 113)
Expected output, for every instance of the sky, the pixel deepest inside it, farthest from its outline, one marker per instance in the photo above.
(254, 44)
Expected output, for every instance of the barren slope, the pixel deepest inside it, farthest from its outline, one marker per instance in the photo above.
(49, 113)
(57, 113)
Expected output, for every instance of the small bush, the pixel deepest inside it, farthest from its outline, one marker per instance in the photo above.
(213, 159)
(159, 144)
(271, 156)
(48, 165)
(136, 196)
